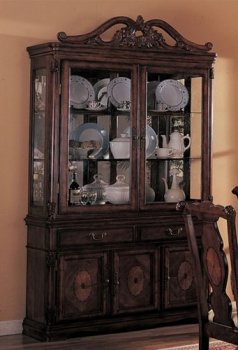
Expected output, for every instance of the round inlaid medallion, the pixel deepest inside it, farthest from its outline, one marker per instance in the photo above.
(185, 275)
(213, 266)
(135, 280)
(82, 285)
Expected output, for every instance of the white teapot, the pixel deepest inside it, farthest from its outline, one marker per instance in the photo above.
(176, 143)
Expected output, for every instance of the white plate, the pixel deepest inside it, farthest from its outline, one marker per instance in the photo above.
(119, 91)
(81, 92)
(172, 94)
(151, 140)
(100, 89)
(92, 132)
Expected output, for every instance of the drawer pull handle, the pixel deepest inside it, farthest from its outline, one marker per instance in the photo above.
(97, 236)
(174, 232)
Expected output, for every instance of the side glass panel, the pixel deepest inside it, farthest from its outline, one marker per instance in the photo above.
(99, 137)
(173, 138)
(196, 135)
(38, 136)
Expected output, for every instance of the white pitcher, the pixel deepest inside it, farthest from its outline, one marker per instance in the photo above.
(175, 193)
(176, 142)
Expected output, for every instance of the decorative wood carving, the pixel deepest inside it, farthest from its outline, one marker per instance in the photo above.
(135, 34)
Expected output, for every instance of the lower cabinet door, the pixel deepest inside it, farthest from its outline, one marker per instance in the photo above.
(135, 281)
(83, 285)
(179, 279)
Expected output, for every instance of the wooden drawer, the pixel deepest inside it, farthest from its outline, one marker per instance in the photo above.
(94, 236)
(151, 233)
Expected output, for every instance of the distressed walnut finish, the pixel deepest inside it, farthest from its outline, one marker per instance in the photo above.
(211, 269)
(127, 267)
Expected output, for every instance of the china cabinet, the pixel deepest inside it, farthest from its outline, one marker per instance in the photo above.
(120, 130)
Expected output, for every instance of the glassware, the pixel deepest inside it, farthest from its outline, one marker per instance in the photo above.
(98, 186)
(84, 197)
(92, 197)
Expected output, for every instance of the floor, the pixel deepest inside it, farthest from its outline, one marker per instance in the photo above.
(152, 339)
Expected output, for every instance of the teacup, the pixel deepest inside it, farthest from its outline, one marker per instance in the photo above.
(94, 105)
(125, 105)
(164, 152)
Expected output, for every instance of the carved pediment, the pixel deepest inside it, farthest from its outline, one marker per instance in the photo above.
(136, 34)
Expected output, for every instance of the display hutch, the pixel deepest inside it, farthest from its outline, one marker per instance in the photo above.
(125, 112)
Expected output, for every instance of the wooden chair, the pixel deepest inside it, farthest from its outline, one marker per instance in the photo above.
(216, 310)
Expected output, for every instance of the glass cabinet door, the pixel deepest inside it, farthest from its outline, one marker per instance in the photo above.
(99, 125)
(38, 136)
(131, 136)
(173, 147)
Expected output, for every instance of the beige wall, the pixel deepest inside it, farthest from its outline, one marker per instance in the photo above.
(28, 22)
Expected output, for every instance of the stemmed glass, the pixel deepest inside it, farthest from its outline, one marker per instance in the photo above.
(92, 197)
(88, 197)
(84, 197)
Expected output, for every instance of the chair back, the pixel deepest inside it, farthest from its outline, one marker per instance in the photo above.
(211, 268)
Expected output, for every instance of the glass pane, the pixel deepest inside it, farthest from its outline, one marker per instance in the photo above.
(173, 138)
(196, 115)
(99, 137)
(195, 188)
(196, 136)
(38, 137)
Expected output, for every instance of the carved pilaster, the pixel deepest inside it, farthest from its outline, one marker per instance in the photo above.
(54, 65)
(51, 259)
(50, 316)
(51, 206)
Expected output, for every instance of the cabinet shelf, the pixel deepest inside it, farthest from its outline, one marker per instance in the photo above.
(126, 160)
(186, 159)
(167, 113)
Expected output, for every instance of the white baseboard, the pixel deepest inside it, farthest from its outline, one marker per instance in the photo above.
(10, 327)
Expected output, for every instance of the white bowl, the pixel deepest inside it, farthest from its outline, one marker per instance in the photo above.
(118, 193)
(117, 196)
